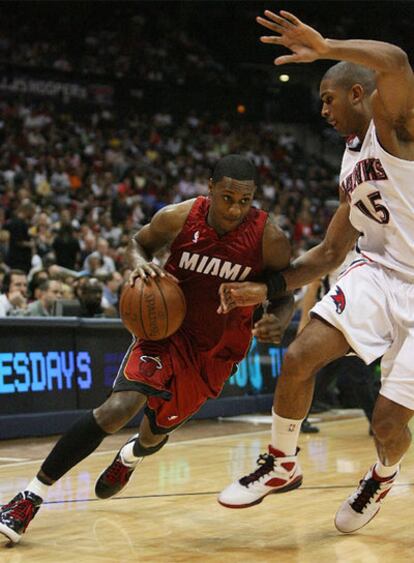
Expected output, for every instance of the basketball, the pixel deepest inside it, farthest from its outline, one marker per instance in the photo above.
(154, 309)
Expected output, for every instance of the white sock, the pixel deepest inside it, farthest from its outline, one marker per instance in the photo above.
(386, 470)
(38, 488)
(127, 454)
(285, 433)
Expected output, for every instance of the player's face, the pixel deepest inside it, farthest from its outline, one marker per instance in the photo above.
(230, 203)
(337, 108)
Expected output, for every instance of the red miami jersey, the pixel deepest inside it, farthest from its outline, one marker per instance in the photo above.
(202, 260)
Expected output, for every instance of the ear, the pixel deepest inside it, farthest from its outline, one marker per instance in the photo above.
(357, 94)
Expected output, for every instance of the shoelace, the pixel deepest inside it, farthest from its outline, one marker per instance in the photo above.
(117, 472)
(22, 511)
(266, 463)
(368, 489)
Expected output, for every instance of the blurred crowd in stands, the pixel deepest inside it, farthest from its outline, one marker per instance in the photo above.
(74, 190)
(118, 42)
(76, 185)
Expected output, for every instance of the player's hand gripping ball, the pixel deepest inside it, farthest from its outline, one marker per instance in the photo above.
(154, 309)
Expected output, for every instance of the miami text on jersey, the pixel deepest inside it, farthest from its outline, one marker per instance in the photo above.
(213, 266)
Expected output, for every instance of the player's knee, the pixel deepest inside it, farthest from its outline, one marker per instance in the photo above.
(295, 365)
(386, 429)
(117, 410)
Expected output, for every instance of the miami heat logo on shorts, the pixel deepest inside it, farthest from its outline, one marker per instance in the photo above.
(148, 365)
(339, 300)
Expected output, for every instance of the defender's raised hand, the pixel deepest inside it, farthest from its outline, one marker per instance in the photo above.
(306, 43)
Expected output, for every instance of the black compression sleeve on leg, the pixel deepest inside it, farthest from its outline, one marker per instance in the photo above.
(78, 442)
(140, 451)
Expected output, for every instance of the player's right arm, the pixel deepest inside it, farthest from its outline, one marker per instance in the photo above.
(158, 234)
(340, 238)
(314, 264)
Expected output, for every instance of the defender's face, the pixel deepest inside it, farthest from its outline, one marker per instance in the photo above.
(337, 107)
(230, 203)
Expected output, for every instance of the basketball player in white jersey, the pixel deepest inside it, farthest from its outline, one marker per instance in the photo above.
(368, 98)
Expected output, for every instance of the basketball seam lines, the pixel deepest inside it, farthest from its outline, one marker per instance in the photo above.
(165, 307)
(140, 309)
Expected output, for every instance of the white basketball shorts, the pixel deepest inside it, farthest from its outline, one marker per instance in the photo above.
(374, 309)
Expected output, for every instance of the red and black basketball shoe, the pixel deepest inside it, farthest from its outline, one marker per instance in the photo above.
(17, 515)
(116, 476)
(276, 473)
(361, 507)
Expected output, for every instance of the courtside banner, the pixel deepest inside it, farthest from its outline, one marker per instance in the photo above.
(56, 364)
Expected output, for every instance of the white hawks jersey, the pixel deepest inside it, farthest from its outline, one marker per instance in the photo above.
(380, 190)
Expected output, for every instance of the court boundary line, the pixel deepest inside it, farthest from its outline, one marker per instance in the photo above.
(205, 493)
(176, 444)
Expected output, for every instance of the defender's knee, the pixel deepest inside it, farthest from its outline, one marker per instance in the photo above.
(117, 410)
(386, 429)
(295, 365)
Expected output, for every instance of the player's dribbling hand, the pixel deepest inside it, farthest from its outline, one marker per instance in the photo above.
(268, 329)
(306, 43)
(240, 294)
(146, 270)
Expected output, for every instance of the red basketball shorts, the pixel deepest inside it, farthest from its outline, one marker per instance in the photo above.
(175, 377)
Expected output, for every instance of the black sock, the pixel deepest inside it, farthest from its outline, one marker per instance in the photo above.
(141, 451)
(78, 442)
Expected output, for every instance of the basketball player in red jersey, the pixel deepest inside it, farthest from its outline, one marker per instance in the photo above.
(369, 98)
(211, 239)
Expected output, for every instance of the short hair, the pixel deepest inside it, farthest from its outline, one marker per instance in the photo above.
(8, 276)
(91, 284)
(347, 74)
(236, 167)
(44, 285)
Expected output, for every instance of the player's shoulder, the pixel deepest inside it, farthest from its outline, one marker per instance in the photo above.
(272, 232)
(175, 214)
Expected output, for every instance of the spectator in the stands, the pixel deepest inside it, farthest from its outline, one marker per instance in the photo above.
(111, 290)
(36, 278)
(14, 292)
(109, 231)
(21, 245)
(89, 293)
(99, 263)
(49, 291)
(42, 234)
(67, 248)
(88, 244)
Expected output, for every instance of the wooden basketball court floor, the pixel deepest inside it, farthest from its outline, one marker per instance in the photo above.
(169, 513)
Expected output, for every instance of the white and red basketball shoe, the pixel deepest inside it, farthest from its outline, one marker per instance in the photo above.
(361, 507)
(276, 473)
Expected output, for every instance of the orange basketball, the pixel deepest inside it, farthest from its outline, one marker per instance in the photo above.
(153, 309)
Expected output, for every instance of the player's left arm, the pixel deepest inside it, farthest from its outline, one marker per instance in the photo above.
(276, 253)
(275, 248)
(276, 257)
